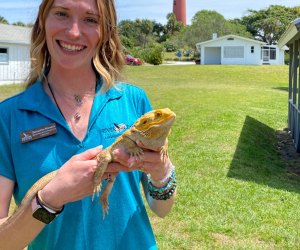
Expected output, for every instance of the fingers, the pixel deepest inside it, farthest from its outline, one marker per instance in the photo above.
(148, 162)
(141, 145)
(120, 156)
(90, 153)
(115, 167)
(146, 157)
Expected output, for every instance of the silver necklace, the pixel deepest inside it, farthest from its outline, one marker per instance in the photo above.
(77, 98)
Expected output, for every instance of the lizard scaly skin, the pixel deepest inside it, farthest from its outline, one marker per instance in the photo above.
(151, 129)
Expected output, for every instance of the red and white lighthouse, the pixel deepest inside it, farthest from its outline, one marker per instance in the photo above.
(179, 9)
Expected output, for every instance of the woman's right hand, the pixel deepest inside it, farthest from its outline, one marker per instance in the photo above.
(73, 181)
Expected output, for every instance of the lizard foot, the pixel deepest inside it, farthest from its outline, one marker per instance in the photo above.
(104, 201)
(97, 188)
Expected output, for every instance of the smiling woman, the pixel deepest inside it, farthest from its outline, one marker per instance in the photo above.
(57, 128)
(72, 34)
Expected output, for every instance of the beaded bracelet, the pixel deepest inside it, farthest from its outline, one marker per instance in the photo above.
(163, 193)
(163, 196)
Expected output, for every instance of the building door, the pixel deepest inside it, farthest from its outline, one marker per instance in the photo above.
(212, 55)
(265, 55)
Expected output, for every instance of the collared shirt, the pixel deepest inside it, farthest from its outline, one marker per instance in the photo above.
(24, 161)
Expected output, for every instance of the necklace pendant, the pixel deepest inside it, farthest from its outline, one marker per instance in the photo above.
(77, 116)
(78, 99)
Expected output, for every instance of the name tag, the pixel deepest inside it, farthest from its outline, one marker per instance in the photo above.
(37, 133)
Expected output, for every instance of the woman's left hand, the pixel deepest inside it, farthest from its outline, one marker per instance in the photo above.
(150, 162)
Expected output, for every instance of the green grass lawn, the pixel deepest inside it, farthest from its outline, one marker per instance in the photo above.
(234, 191)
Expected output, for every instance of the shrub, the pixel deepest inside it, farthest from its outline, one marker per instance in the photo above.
(286, 58)
(127, 43)
(153, 54)
(169, 47)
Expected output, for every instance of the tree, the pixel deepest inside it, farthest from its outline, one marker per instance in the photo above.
(138, 32)
(3, 20)
(269, 24)
(146, 27)
(173, 25)
(207, 22)
(127, 31)
(20, 24)
(127, 43)
(160, 32)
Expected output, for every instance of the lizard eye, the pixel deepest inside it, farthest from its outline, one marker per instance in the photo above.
(158, 114)
(144, 121)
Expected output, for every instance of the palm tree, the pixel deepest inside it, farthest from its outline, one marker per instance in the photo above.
(3, 20)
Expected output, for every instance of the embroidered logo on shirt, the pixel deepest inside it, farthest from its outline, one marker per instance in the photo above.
(113, 131)
(120, 127)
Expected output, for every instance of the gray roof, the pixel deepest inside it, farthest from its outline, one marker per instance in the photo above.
(14, 34)
(231, 36)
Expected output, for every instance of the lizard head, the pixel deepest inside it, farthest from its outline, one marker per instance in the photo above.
(154, 126)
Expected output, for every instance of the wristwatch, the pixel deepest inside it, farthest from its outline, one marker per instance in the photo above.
(44, 213)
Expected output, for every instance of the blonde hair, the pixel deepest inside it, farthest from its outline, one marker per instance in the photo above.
(107, 62)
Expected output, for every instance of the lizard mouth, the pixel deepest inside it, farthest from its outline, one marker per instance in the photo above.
(160, 118)
(167, 120)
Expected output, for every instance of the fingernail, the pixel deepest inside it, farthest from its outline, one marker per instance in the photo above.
(131, 162)
(115, 154)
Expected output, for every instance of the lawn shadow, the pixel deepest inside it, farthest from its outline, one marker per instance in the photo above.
(286, 89)
(256, 158)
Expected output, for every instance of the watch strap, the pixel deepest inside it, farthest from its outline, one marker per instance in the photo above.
(40, 202)
(47, 206)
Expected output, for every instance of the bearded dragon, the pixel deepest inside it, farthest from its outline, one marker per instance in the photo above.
(151, 129)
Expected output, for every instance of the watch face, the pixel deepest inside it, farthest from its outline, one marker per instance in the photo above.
(43, 215)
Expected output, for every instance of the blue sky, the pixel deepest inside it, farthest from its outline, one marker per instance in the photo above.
(25, 10)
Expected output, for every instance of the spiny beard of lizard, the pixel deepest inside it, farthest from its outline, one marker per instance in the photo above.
(155, 127)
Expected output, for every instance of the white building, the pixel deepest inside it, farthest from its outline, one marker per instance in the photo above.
(232, 49)
(14, 53)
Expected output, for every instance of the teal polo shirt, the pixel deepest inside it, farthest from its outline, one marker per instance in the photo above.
(32, 115)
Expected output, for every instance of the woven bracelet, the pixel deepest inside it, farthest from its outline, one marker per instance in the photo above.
(163, 193)
(163, 180)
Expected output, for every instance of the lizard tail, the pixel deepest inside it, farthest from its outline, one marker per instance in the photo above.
(9, 222)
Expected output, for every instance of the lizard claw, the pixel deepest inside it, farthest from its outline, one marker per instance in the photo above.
(136, 155)
(97, 189)
(104, 207)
